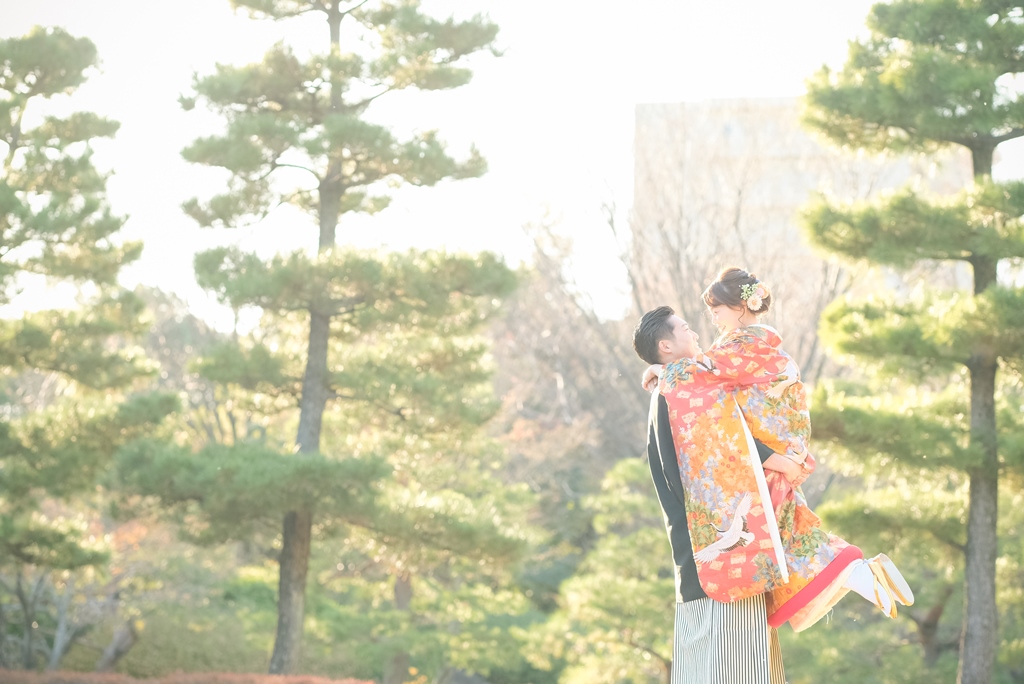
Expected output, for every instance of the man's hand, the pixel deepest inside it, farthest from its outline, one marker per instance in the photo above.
(651, 376)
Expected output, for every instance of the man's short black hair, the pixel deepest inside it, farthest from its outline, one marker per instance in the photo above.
(652, 328)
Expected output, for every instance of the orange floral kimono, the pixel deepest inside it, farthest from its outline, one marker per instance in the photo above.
(751, 531)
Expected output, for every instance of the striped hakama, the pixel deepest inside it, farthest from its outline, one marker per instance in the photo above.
(725, 643)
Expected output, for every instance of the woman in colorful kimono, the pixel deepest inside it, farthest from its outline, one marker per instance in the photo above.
(745, 386)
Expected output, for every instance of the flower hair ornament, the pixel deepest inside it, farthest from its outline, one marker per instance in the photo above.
(753, 294)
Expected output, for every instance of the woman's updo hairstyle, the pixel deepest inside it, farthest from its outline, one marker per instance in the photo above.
(737, 289)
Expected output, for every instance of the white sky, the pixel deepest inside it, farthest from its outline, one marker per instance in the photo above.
(553, 115)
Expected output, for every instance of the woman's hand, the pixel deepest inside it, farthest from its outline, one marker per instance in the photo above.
(651, 377)
(799, 478)
(803, 465)
(791, 467)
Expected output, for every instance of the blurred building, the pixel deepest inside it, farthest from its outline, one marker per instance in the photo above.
(722, 183)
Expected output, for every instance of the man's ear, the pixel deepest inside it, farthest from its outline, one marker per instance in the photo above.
(664, 349)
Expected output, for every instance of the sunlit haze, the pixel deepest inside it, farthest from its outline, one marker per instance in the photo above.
(553, 115)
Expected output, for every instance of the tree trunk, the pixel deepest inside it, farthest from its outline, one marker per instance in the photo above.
(981, 158)
(980, 632)
(29, 602)
(66, 631)
(397, 670)
(928, 630)
(27, 614)
(296, 532)
(297, 529)
(122, 642)
(330, 206)
(3, 637)
(291, 592)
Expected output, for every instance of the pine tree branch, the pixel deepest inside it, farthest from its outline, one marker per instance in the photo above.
(288, 199)
(347, 306)
(279, 165)
(1013, 133)
(277, 393)
(274, 165)
(399, 412)
(318, 6)
(962, 548)
(667, 664)
(352, 9)
(233, 423)
(13, 141)
(205, 427)
(934, 614)
(362, 104)
(965, 142)
(218, 420)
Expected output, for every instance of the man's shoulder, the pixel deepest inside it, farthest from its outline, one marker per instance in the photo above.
(678, 374)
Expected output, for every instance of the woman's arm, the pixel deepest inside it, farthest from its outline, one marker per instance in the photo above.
(650, 377)
(795, 473)
(744, 359)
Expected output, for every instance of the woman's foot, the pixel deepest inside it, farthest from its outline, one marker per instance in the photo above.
(887, 573)
(863, 581)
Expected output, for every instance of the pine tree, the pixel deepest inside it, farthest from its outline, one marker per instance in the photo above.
(613, 621)
(932, 74)
(310, 115)
(67, 373)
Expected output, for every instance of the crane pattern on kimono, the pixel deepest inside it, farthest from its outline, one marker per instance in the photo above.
(788, 377)
(736, 536)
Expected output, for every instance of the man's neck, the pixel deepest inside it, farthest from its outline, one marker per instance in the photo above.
(682, 358)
